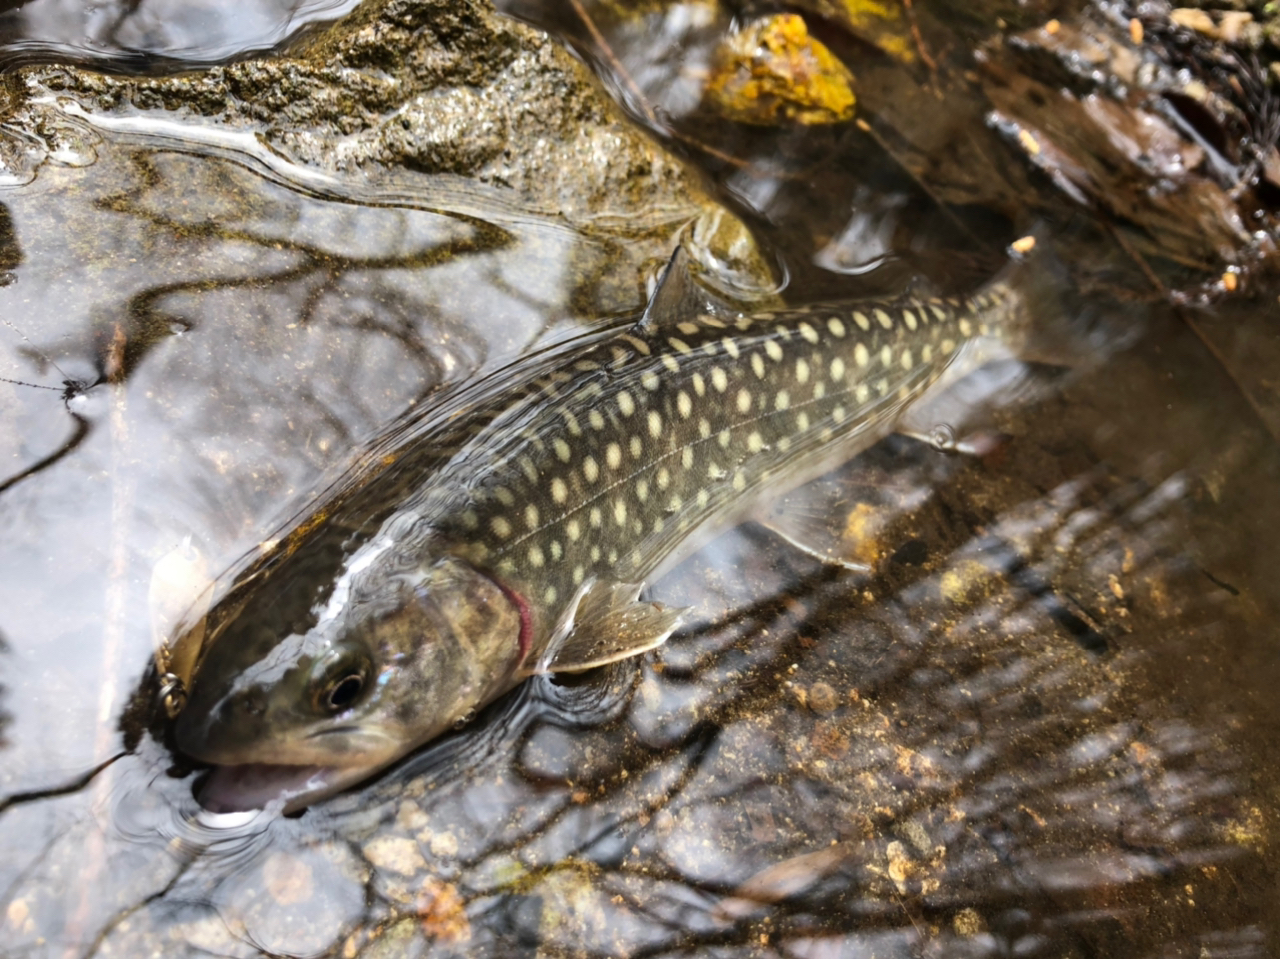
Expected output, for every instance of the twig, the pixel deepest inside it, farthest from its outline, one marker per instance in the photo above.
(615, 64)
(929, 62)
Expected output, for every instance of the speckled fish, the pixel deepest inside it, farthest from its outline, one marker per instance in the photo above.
(524, 547)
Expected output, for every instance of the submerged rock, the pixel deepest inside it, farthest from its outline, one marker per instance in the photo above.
(436, 87)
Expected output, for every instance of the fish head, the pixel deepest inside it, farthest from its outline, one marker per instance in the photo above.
(295, 715)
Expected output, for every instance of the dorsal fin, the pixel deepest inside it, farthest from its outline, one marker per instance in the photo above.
(678, 296)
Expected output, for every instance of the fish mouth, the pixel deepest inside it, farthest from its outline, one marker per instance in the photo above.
(248, 786)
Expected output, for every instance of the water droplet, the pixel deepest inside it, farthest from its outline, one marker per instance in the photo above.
(942, 438)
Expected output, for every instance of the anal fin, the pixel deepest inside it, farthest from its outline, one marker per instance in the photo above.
(608, 623)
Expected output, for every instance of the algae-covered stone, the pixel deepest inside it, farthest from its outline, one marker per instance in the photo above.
(772, 72)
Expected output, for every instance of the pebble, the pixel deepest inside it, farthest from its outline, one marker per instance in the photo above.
(822, 698)
(395, 854)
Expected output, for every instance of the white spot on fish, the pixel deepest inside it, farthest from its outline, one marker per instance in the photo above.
(703, 497)
(571, 422)
(837, 370)
(755, 442)
(596, 519)
(663, 478)
(500, 526)
(802, 371)
(885, 319)
(860, 355)
(613, 455)
(719, 380)
(739, 480)
(640, 345)
(731, 347)
(626, 405)
(637, 447)
(620, 512)
(529, 469)
(650, 381)
(926, 354)
(686, 457)
(531, 516)
(684, 404)
(642, 490)
(554, 549)
(965, 328)
(688, 329)
(948, 346)
(704, 428)
(910, 319)
(782, 400)
(774, 350)
(536, 559)
(886, 356)
(562, 449)
(655, 424)
(836, 327)
(573, 530)
(596, 419)
(504, 496)
(808, 332)
(670, 362)
(724, 439)
(744, 401)
(579, 574)
(862, 393)
(757, 365)
(679, 344)
(861, 319)
(802, 421)
(907, 361)
(590, 469)
(699, 384)
(838, 414)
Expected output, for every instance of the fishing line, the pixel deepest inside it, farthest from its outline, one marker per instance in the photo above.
(34, 386)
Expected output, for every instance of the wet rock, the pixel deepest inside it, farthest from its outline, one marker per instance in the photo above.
(435, 87)
(772, 71)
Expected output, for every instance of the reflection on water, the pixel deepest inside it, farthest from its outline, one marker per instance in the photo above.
(1042, 724)
(153, 36)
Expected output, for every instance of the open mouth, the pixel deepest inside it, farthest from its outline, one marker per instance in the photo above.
(259, 785)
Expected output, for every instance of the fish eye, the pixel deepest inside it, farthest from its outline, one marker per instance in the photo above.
(339, 681)
(343, 693)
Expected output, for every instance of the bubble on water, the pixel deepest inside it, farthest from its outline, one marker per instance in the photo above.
(942, 438)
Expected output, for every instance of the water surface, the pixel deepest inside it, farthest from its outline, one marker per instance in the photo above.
(1042, 724)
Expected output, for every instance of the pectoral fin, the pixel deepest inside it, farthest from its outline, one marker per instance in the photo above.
(609, 623)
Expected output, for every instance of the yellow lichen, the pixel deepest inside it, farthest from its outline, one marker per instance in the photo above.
(772, 72)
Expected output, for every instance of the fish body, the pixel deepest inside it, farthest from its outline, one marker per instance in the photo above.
(524, 549)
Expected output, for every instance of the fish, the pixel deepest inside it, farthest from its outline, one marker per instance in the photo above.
(518, 540)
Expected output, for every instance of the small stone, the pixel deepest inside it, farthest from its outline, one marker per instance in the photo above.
(443, 912)
(288, 879)
(967, 922)
(822, 698)
(1190, 18)
(395, 854)
(17, 913)
(444, 845)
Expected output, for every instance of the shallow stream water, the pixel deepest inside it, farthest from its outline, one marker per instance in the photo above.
(1043, 724)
